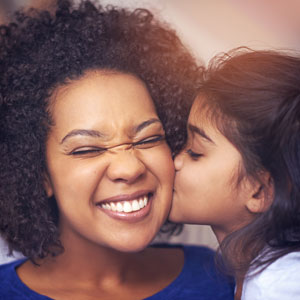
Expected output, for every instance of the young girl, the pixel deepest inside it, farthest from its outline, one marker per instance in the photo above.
(240, 170)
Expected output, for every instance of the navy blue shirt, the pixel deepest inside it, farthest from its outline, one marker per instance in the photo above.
(198, 280)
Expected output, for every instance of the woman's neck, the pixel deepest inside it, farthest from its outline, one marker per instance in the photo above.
(103, 271)
(91, 261)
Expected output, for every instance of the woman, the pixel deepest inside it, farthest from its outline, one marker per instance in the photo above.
(86, 172)
(240, 170)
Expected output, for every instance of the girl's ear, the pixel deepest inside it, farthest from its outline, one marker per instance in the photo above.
(48, 185)
(262, 194)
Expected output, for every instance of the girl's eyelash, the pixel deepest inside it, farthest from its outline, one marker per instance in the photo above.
(193, 154)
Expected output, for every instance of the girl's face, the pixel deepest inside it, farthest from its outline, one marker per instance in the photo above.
(109, 168)
(206, 182)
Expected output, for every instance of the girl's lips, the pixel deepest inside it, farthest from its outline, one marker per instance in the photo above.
(133, 209)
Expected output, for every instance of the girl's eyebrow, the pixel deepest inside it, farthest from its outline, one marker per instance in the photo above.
(98, 134)
(200, 132)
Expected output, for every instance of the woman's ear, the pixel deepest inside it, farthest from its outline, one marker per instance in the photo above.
(262, 194)
(48, 185)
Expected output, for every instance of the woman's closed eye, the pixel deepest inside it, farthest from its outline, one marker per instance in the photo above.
(149, 142)
(193, 155)
(87, 151)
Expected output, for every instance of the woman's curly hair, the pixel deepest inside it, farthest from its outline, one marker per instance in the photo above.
(40, 51)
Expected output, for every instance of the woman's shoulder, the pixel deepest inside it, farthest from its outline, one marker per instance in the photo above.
(280, 280)
(193, 255)
(199, 277)
(7, 270)
(200, 262)
(200, 253)
(9, 280)
(11, 286)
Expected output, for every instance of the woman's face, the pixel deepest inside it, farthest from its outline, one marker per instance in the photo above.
(109, 167)
(206, 189)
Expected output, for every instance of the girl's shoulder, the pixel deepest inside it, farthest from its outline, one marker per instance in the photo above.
(280, 280)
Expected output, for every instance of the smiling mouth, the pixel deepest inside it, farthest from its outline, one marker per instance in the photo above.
(127, 206)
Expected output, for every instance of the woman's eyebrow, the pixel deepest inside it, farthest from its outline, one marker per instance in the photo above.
(98, 134)
(144, 124)
(82, 132)
(200, 132)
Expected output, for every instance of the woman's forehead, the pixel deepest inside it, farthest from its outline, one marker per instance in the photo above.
(114, 102)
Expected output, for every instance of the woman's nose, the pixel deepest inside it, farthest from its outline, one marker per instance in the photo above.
(125, 167)
(178, 161)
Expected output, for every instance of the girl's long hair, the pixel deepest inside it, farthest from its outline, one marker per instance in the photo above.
(254, 99)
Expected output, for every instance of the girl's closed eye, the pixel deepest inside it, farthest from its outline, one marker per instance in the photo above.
(193, 155)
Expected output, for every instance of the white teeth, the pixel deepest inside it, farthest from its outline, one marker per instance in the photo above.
(135, 205)
(141, 203)
(126, 206)
(113, 206)
(119, 207)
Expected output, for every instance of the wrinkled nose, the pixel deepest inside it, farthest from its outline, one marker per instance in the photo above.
(125, 167)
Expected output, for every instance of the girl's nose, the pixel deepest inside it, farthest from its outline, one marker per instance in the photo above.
(125, 167)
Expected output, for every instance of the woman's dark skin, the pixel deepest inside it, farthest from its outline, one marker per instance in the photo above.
(91, 102)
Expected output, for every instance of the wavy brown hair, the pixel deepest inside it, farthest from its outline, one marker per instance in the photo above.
(253, 98)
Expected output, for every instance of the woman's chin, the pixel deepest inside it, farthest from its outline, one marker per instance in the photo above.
(133, 246)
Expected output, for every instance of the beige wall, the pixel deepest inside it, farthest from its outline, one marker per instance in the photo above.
(211, 26)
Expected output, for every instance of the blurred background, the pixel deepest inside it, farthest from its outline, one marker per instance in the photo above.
(206, 27)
